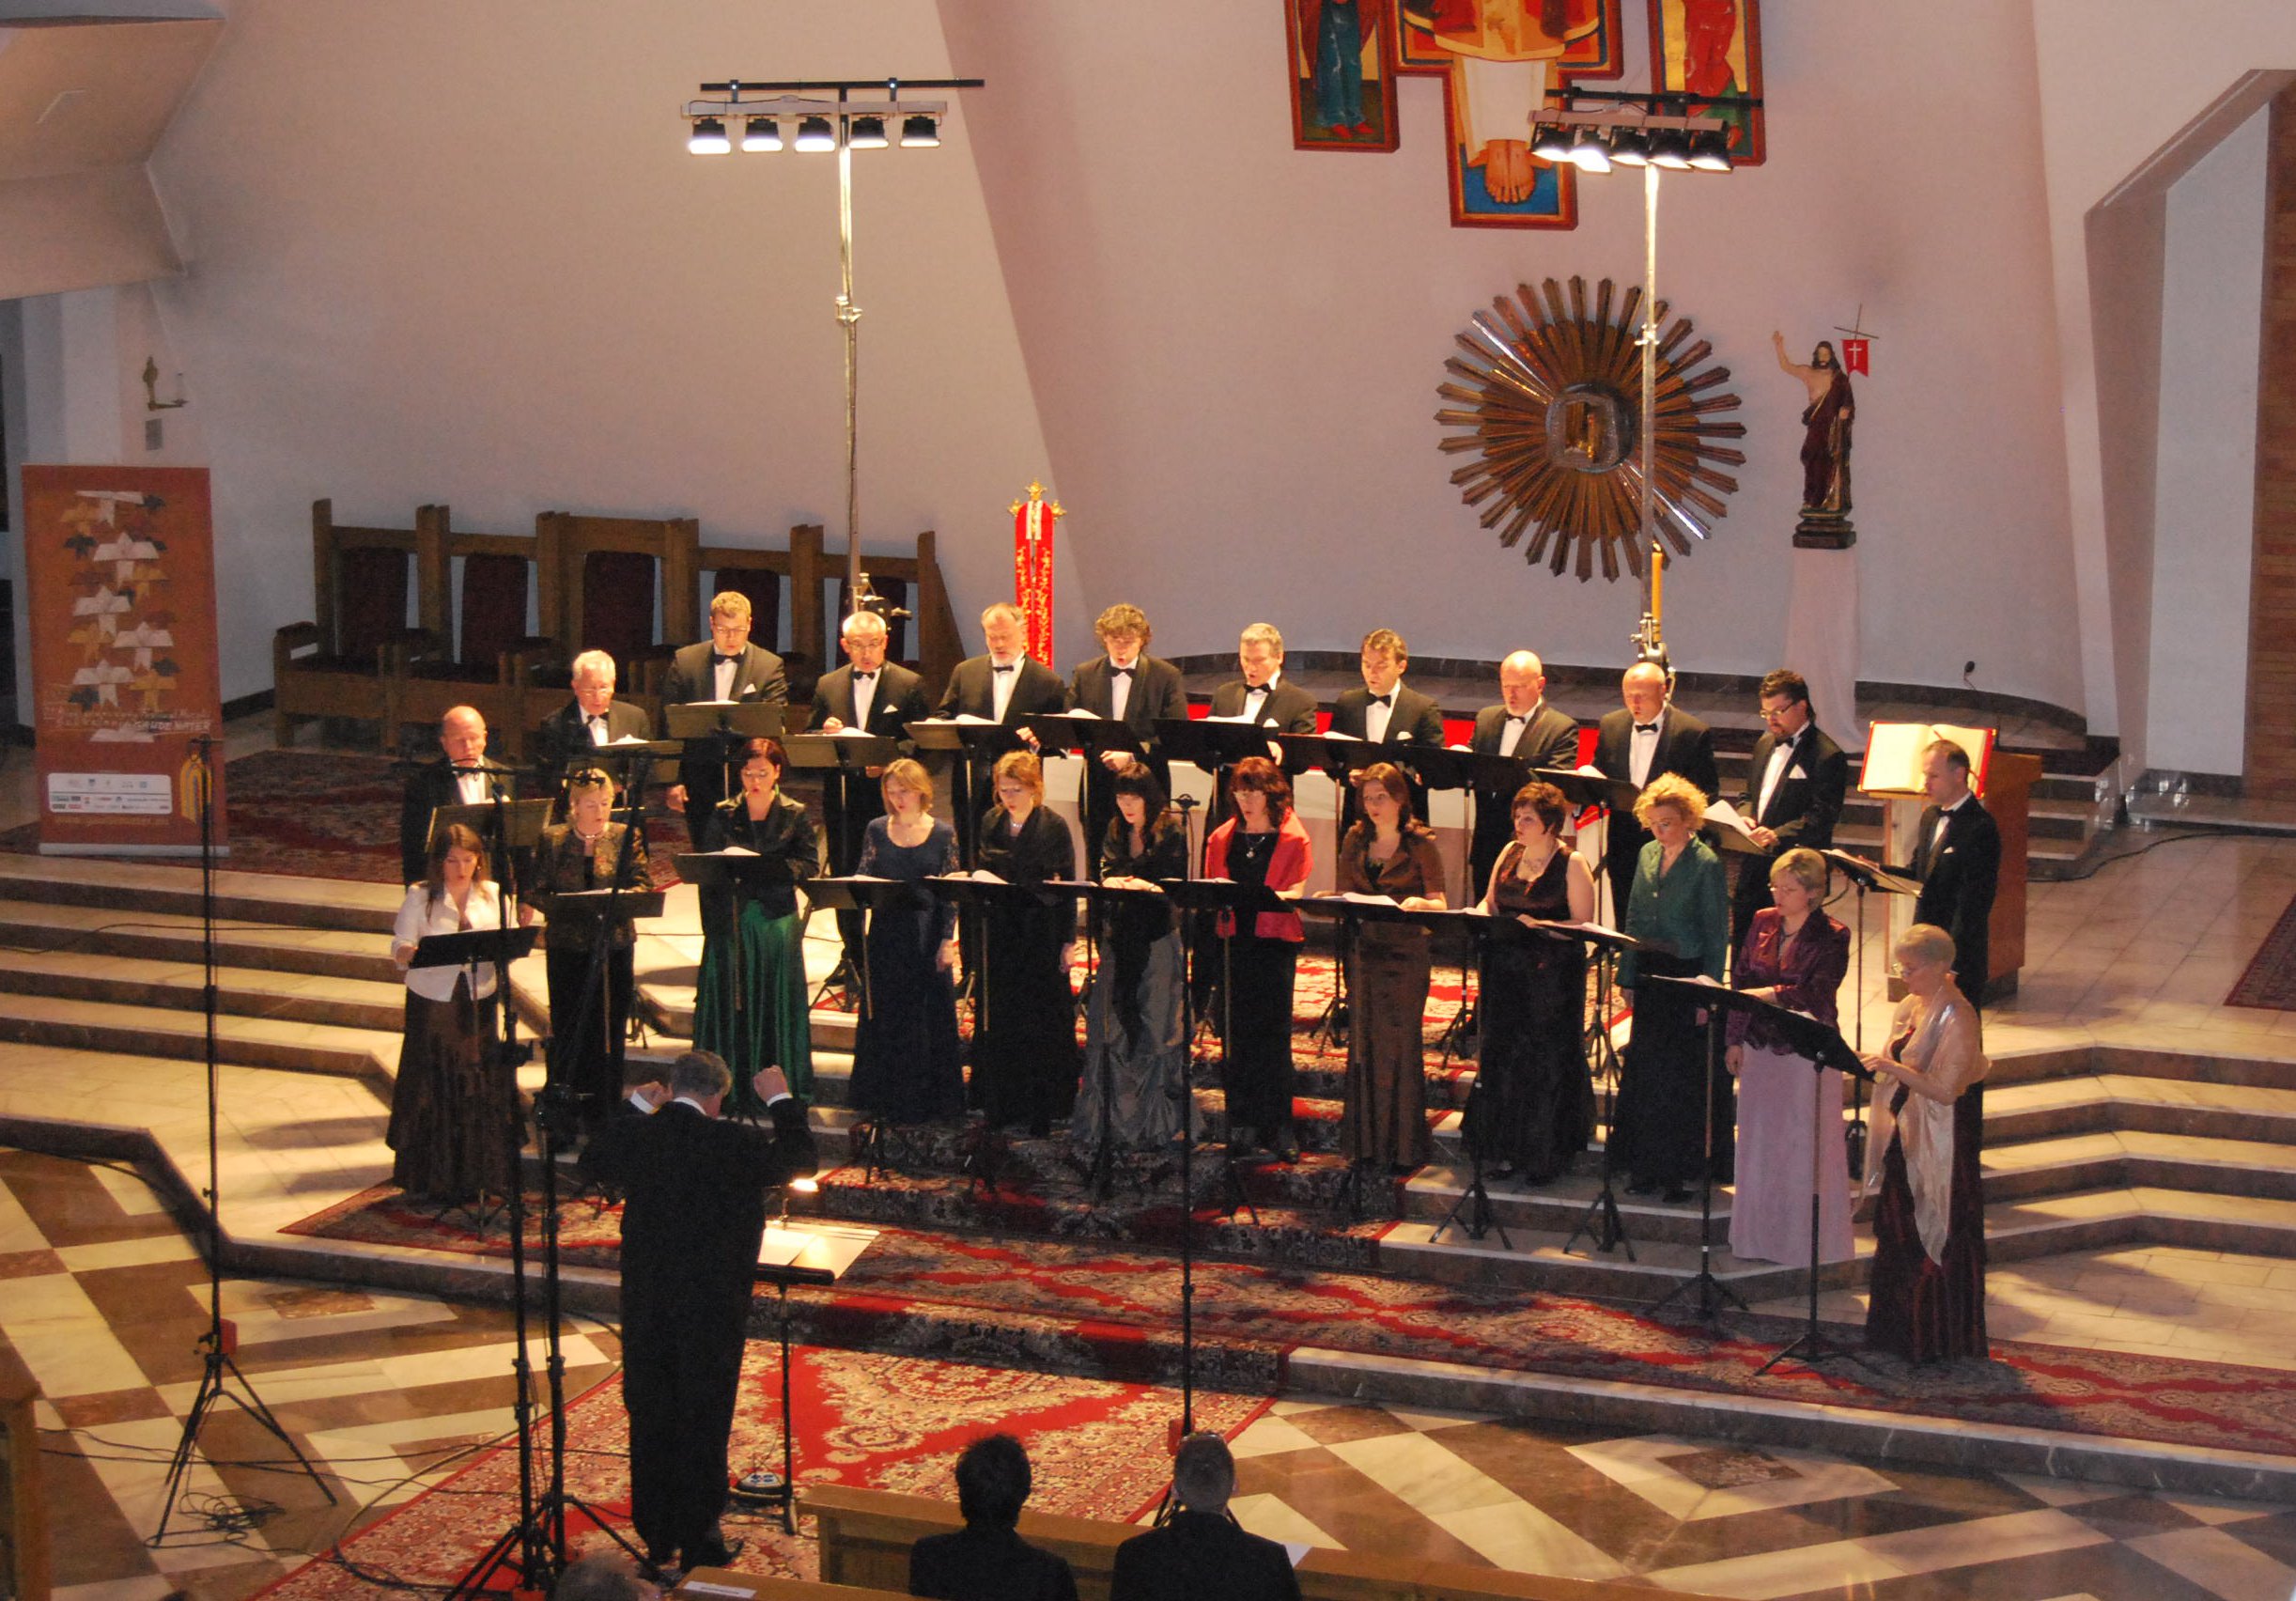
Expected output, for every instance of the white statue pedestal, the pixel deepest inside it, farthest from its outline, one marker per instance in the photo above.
(1822, 639)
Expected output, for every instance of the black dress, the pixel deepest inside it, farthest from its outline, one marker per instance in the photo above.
(1260, 976)
(908, 1064)
(1024, 1045)
(1537, 1107)
(1135, 1035)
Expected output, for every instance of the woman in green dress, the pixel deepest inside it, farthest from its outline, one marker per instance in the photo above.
(751, 1008)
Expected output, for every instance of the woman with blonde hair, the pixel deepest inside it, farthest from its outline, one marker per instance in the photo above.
(1681, 912)
(1024, 1043)
(907, 1065)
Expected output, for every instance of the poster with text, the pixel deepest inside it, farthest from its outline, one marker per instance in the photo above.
(120, 569)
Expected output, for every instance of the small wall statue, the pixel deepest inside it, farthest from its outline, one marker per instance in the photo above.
(1825, 449)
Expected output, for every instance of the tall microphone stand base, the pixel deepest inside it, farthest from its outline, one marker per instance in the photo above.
(217, 1374)
(1810, 1348)
(1606, 1230)
(1475, 1200)
(1707, 1293)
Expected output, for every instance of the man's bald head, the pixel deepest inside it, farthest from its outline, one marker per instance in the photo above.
(1522, 682)
(1644, 690)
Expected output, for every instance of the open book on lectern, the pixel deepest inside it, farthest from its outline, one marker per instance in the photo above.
(1894, 751)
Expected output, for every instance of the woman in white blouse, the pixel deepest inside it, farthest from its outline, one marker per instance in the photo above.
(455, 1130)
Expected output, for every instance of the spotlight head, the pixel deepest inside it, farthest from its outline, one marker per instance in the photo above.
(1710, 150)
(1550, 143)
(920, 132)
(761, 133)
(1630, 147)
(708, 137)
(815, 135)
(1671, 148)
(1588, 153)
(866, 133)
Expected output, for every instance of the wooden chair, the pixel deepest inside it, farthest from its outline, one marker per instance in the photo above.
(766, 577)
(490, 653)
(350, 661)
(915, 583)
(600, 594)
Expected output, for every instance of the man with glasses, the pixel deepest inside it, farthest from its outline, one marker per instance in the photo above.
(1795, 787)
(723, 667)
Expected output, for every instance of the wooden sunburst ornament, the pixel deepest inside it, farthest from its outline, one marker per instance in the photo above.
(1549, 392)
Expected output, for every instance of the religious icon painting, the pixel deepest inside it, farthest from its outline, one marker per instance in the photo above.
(1713, 47)
(1342, 74)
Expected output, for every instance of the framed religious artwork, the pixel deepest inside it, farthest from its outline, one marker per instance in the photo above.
(1713, 47)
(1342, 74)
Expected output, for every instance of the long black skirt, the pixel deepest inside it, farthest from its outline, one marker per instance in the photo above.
(1664, 1084)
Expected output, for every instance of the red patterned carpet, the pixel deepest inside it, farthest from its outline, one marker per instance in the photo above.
(890, 1422)
(1105, 1312)
(2269, 983)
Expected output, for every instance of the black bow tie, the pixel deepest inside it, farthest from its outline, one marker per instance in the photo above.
(1519, 717)
(1120, 672)
(1646, 727)
(1008, 667)
(1387, 699)
(1257, 689)
(718, 660)
(862, 678)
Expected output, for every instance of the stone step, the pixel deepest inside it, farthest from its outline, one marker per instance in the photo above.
(1558, 1208)
(2134, 1159)
(2200, 1068)
(250, 992)
(240, 897)
(109, 931)
(2092, 1220)
(247, 1042)
(2094, 1103)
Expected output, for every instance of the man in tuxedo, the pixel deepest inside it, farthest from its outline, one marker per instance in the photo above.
(461, 777)
(693, 1216)
(987, 1560)
(723, 667)
(1795, 787)
(1200, 1552)
(1523, 726)
(875, 696)
(591, 719)
(1127, 685)
(1003, 686)
(1957, 856)
(1261, 695)
(1385, 712)
(1648, 736)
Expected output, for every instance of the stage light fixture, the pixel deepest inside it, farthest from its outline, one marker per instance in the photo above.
(1587, 151)
(866, 133)
(1671, 148)
(921, 132)
(707, 137)
(815, 135)
(1710, 150)
(761, 133)
(1630, 147)
(1550, 142)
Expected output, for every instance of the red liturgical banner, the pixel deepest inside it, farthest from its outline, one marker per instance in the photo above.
(1854, 353)
(1034, 520)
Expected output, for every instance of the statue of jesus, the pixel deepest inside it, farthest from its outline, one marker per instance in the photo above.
(1825, 445)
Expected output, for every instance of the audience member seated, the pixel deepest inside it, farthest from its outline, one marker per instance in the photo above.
(987, 1560)
(1201, 1553)
(604, 1575)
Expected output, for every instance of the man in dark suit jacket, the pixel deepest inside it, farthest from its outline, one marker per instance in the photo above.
(1957, 856)
(1385, 712)
(1261, 694)
(879, 697)
(591, 719)
(461, 777)
(691, 1222)
(987, 1560)
(1003, 686)
(1648, 736)
(1523, 726)
(1795, 787)
(723, 667)
(1153, 693)
(1200, 1554)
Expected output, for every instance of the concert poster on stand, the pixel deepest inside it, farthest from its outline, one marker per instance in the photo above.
(120, 569)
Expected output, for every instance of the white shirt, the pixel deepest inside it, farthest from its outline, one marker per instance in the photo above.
(1377, 717)
(418, 916)
(1511, 731)
(865, 695)
(598, 728)
(1001, 685)
(1120, 688)
(1781, 758)
(726, 672)
(1642, 750)
(1255, 707)
(472, 787)
(1945, 821)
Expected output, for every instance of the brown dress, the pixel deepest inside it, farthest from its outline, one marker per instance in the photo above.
(1386, 1120)
(1926, 1287)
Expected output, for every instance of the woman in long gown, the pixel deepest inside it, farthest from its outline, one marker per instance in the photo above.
(1928, 1285)
(1024, 1049)
(1681, 913)
(585, 852)
(1134, 1035)
(1388, 853)
(1537, 1108)
(1262, 843)
(751, 1008)
(1794, 955)
(454, 1115)
(908, 1064)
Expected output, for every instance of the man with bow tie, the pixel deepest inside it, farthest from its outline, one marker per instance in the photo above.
(724, 667)
(1261, 695)
(1127, 685)
(1648, 735)
(1385, 712)
(1522, 725)
(593, 717)
(1002, 685)
(1957, 856)
(877, 697)
(1795, 787)
(461, 777)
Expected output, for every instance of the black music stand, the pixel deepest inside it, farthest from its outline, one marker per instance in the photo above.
(846, 760)
(1864, 875)
(1101, 1178)
(1612, 797)
(1209, 897)
(881, 1144)
(817, 1256)
(1710, 1290)
(736, 874)
(1601, 1222)
(716, 730)
(971, 746)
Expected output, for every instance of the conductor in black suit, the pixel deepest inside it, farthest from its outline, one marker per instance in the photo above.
(879, 697)
(591, 719)
(1795, 787)
(1385, 712)
(1200, 1554)
(724, 667)
(1957, 856)
(1003, 686)
(1522, 725)
(1648, 736)
(461, 777)
(1127, 685)
(987, 1560)
(693, 1218)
